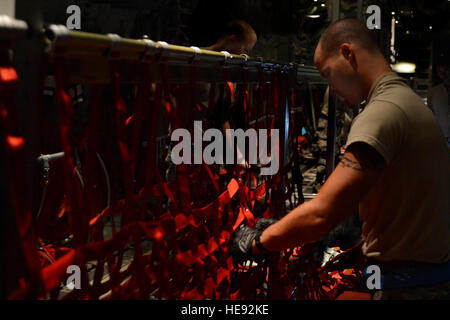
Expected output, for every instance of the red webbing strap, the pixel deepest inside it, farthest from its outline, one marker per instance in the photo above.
(169, 105)
(211, 209)
(98, 250)
(15, 153)
(295, 132)
(78, 212)
(127, 175)
(199, 252)
(244, 93)
(276, 271)
(339, 275)
(8, 83)
(77, 217)
(211, 103)
(263, 96)
(141, 110)
(92, 144)
(150, 158)
(182, 173)
(127, 165)
(182, 170)
(193, 106)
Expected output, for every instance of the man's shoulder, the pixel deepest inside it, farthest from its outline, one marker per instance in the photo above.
(384, 107)
(401, 100)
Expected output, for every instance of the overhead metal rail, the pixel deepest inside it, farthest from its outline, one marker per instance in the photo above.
(88, 57)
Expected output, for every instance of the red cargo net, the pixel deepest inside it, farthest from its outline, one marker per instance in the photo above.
(169, 238)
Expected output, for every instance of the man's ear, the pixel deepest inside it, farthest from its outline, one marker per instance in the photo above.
(347, 51)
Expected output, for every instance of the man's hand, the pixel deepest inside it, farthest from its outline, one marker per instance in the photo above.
(242, 249)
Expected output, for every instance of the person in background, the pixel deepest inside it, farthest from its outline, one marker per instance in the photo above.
(238, 37)
(439, 100)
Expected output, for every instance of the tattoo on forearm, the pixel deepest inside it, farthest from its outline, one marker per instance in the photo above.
(355, 165)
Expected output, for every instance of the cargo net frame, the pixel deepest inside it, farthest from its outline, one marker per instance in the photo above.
(113, 204)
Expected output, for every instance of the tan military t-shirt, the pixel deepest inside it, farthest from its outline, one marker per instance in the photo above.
(406, 215)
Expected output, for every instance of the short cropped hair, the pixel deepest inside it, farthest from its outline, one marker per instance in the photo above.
(347, 31)
(240, 28)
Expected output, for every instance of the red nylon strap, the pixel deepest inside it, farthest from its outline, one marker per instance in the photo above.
(121, 115)
(211, 102)
(65, 117)
(194, 104)
(15, 155)
(151, 149)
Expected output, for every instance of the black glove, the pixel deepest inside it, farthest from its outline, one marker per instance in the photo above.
(241, 251)
(264, 223)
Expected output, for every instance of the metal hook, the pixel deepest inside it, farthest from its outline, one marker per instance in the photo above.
(245, 56)
(245, 64)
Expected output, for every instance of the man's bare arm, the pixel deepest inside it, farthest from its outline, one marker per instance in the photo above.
(359, 169)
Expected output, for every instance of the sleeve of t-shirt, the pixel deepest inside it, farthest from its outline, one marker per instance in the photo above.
(383, 126)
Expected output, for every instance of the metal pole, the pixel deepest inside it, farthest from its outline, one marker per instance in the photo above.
(87, 57)
(68, 42)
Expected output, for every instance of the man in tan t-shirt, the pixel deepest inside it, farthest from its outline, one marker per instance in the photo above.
(395, 171)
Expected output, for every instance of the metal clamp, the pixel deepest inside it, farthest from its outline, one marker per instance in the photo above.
(116, 41)
(227, 56)
(197, 52)
(57, 33)
(164, 49)
(150, 49)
